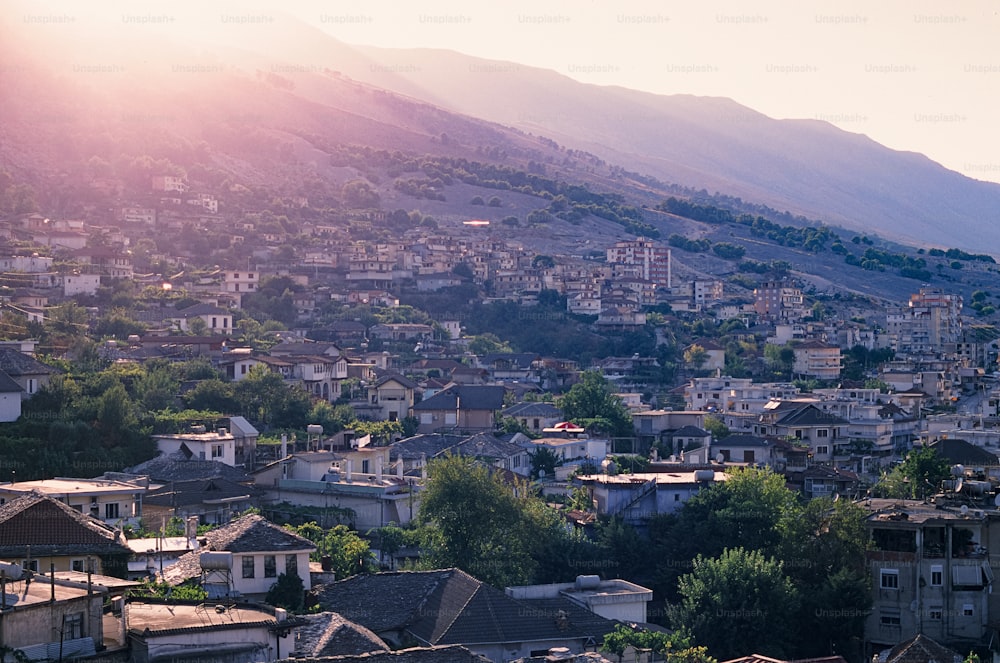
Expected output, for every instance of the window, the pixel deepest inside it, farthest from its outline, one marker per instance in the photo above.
(216, 451)
(450, 418)
(73, 626)
(111, 510)
(934, 613)
(889, 619)
(937, 575)
(677, 497)
(77, 565)
(822, 432)
(822, 450)
(215, 323)
(248, 566)
(366, 467)
(270, 566)
(968, 610)
(243, 369)
(889, 579)
(30, 565)
(291, 565)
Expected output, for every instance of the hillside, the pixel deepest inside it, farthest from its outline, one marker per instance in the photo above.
(258, 118)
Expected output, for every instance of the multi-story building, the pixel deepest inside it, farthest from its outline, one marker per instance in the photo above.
(779, 300)
(643, 259)
(931, 574)
(814, 359)
(931, 323)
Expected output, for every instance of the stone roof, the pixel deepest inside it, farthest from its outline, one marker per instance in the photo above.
(175, 467)
(921, 649)
(446, 654)
(52, 528)
(956, 450)
(247, 534)
(810, 415)
(7, 384)
(425, 445)
(14, 363)
(533, 409)
(743, 441)
(690, 431)
(449, 606)
(468, 397)
(196, 491)
(406, 382)
(330, 634)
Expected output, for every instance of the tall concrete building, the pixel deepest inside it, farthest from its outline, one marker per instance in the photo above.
(642, 259)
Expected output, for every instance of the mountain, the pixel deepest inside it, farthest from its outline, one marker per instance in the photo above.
(806, 166)
(269, 106)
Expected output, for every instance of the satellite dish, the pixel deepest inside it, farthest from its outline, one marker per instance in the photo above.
(958, 485)
(996, 500)
(719, 457)
(836, 497)
(541, 474)
(964, 510)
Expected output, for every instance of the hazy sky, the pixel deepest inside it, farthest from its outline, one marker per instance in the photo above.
(913, 75)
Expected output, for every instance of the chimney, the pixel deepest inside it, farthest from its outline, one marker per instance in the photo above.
(378, 468)
(423, 467)
(399, 467)
(347, 472)
(284, 445)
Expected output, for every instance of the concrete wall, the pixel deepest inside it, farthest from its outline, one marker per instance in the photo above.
(40, 623)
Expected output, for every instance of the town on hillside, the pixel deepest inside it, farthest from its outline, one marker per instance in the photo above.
(239, 429)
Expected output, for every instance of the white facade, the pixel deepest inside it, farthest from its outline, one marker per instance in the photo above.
(220, 445)
(81, 284)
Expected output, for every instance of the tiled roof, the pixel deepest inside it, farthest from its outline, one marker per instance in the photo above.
(52, 528)
(330, 634)
(406, 382)
(428, 445)
(451, 607)
(202, 309)
(522, 360)
(484, 445)
(446, 654)
(14, 363)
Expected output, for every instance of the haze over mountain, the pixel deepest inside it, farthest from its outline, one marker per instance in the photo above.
(805, 166)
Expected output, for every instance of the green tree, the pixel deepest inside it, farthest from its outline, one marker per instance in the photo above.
(349, 553)
(544, 460)
(591, 402)
(695, 356)
(676, 647)
(919, 475)
(738, 602)
(715, 426)
(474, 521)
(287, 592)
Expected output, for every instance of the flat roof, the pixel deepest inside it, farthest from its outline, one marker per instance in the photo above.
(67, 486)
(21, 593)
(660, 477)
(161, 617)
(164, 544)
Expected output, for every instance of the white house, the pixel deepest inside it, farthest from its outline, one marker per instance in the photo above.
(117, 503)
(217, 445)
(244, 558)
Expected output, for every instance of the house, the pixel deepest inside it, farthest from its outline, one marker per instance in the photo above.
(688, 439)
(29, 373)
(216, 319)
(258, 551)
(714, 358)
(930, 573)
(151, 555)
(393, 396)
(535, 416)
(450, 607)
(117, 503)
(51, 619)
(510, 366)
(615, 599)
(638, 497)
(359, 488)
(217, 445)
(824, 481)
(401, 332)
(10, 398)
(814, 359)
(37, 531)
(192, 632)
(918, 649)
(749, 449)
(212, 501)
(460, 407)
(821, 431)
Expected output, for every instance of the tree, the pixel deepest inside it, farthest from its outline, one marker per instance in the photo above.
(592, 401)
(287, 592)
(919, 475)
(474, 521)
(676, 647)
(543, 461)
(696, 356)
(349, 554)
(738, 602)
(715, 426)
